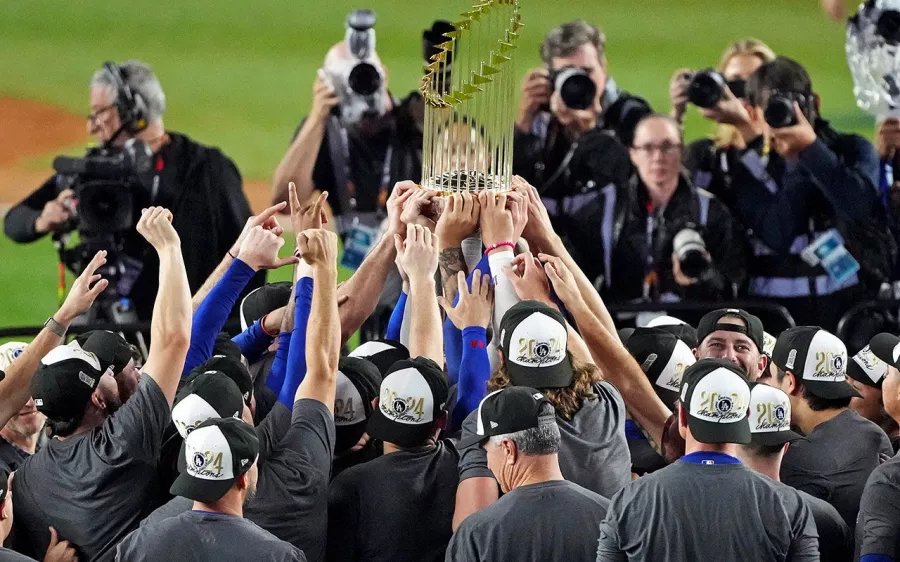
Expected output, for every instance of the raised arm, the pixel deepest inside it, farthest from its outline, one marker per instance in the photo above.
(265, 219)
(365, 286)
(542, 238)
(458, 221)
(323, 344)
(170, 328)
(15, 388)
(618, 366)
(420, 257)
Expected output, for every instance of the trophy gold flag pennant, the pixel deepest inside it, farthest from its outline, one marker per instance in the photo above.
(470, 105)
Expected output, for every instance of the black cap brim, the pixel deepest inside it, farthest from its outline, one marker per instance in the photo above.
(856, 373)
(831, 390)
(774, 438)
(471, 440)
(198, 489)
(711, 432)
(882, 346)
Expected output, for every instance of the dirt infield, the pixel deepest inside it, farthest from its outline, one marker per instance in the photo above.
(32, 129)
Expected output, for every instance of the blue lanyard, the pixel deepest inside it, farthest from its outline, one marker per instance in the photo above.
(710, 457)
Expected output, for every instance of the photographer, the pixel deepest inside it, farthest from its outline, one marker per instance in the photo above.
(707, 91)
(574, 123)
(659, 238)
(357, 140)
(798, 181)
(201, 185)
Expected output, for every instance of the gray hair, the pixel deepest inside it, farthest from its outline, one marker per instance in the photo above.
(567, 38)
(541, 440)
(142, 81)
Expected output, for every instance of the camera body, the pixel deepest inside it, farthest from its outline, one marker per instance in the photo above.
(690, 250)
(359, 81)
(575, 87)
(779, 110)
(707, 88)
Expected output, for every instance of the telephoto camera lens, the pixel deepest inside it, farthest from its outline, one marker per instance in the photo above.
(779, 112)
(575, 87)
(690, 249)
(364, 79)
(705, 89)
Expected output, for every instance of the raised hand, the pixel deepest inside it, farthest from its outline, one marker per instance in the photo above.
(417, 209)
(536, 92)
(517, 204)
(401, 193)
(538, 230)
(84, 291)
(324, 98)
(497, 223)
(318, 247)
(265, 219)
(791, 141)
(260, 250)
(308, 216)
(527, 276)
(155, 225)
(474, 307)
(564, 284)
(459, 219)
(678, 92)
(419, 253)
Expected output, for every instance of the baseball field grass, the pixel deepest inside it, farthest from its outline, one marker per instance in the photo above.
(238, 74)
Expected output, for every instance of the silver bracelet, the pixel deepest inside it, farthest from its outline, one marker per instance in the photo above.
(55, 327)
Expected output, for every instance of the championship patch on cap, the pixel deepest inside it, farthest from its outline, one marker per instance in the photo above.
(768, 343)
(717, 397)
(206, 396)
(534, 338)
(866, 368)
(663, 357)
(817, 358)
(886, 347)
(348, 404)
(770, 416)
(64, 382)
(213, 456)
(411, 396)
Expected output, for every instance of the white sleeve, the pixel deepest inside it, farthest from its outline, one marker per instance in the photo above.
(405, 323)
(504, 294)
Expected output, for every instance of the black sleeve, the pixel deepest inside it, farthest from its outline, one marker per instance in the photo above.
(526, 153)
(586, 238)
(19, 221)
(343, 520)
(725, 241)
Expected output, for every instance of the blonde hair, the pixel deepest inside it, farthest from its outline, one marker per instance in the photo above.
(567, 401)
(727, 135)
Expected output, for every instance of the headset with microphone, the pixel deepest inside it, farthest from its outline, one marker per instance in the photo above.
(130, 104)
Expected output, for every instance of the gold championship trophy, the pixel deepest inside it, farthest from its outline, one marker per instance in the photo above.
(470, 103)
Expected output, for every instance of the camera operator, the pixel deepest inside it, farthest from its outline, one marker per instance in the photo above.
(357, 140)
(706, 88)
(574, 123)
(201, 185)
(798, 181)
(659, 238)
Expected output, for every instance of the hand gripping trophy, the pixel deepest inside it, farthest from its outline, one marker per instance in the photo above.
(470, 106)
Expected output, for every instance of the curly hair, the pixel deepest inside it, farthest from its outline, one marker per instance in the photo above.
(566, 401)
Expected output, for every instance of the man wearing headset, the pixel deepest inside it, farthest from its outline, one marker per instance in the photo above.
(199, 184)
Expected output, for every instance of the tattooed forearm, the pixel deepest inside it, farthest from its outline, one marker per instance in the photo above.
(451, 262)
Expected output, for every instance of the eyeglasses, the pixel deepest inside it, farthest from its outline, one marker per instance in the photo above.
(94, 116)
(666, 149)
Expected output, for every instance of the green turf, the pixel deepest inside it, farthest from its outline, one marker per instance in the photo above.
(239, 74)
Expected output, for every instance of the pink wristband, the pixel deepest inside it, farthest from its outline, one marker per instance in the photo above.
(493, 247)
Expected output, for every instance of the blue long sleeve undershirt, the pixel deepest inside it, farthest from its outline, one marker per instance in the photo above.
(474, 372)
(453, 340)
(296, 361)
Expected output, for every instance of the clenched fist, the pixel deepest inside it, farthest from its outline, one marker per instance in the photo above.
(156, 227)
(260, 248)
(318, 247)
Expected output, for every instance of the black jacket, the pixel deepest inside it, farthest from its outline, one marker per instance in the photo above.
(202, 188)
(630, 248)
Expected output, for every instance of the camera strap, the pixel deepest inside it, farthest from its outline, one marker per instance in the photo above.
(756, 165)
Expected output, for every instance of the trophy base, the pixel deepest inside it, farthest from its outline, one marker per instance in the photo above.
(463, 181)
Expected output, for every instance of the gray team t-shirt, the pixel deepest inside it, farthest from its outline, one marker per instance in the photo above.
(690, 511)
(878, 526)
(205, 537)
(835, 538)
(94, 488)
(593, 451)
(834, 461)
(291, 498)
(7, 555)
(554, 520)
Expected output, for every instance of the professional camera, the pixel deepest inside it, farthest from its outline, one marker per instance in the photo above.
(779, 111)
(690, 250)
(707, 88)
(359, 83)
(576, 88)
(107, 183)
